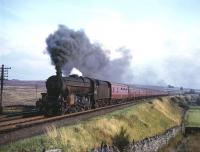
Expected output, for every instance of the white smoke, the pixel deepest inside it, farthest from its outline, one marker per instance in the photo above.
(76, 71)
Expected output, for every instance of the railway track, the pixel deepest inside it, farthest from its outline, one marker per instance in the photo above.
(18, 115)
(27, 127)
(11, 123)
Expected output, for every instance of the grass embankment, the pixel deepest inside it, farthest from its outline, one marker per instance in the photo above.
(193, 117)
(138, 122)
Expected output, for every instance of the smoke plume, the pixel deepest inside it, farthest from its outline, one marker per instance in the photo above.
(68, 49)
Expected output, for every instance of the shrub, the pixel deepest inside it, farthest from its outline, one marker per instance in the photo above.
(121, 140)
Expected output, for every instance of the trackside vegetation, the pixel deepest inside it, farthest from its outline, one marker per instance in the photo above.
(135, 122)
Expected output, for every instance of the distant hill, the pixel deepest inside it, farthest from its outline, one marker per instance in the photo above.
(15, 82)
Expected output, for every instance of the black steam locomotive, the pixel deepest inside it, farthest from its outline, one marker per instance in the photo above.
(72, 94)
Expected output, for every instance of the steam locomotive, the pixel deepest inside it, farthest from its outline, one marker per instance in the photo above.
(74, 93)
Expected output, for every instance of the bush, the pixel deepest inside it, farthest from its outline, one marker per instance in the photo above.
(121, 140)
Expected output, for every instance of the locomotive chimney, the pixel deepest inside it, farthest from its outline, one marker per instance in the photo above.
(58, 71)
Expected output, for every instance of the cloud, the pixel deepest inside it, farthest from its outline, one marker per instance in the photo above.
(4, 46)
(162, 45)
(183, 70)
(146, 39)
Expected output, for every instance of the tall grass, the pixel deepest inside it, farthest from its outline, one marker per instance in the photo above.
(138, 121)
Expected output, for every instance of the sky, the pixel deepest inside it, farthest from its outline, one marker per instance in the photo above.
(163, 36)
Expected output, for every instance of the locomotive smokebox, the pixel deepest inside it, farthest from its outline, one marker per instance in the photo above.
(58, 71)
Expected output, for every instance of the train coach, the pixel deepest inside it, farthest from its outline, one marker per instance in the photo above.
(74, 94)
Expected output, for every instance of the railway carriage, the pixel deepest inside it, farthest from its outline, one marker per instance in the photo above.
(119, 91)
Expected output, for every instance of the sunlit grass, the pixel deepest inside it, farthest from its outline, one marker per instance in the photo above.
(140, 121)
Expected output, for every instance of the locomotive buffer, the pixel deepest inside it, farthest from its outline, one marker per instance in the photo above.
(4, 76)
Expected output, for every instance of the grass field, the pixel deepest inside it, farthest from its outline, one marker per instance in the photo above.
(193, 117)
(136, 122)
(18, 92)
(21, 95)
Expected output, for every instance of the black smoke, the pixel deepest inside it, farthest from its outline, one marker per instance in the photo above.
(69, 48)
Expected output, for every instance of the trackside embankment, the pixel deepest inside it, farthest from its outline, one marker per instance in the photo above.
(131, 124)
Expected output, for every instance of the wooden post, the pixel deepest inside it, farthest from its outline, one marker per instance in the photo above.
(1, 97)
(4, 74)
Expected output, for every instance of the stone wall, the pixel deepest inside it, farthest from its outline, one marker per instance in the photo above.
(150, 144)
(153, 144)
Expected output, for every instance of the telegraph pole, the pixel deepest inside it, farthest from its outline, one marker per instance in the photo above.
(4, 76)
